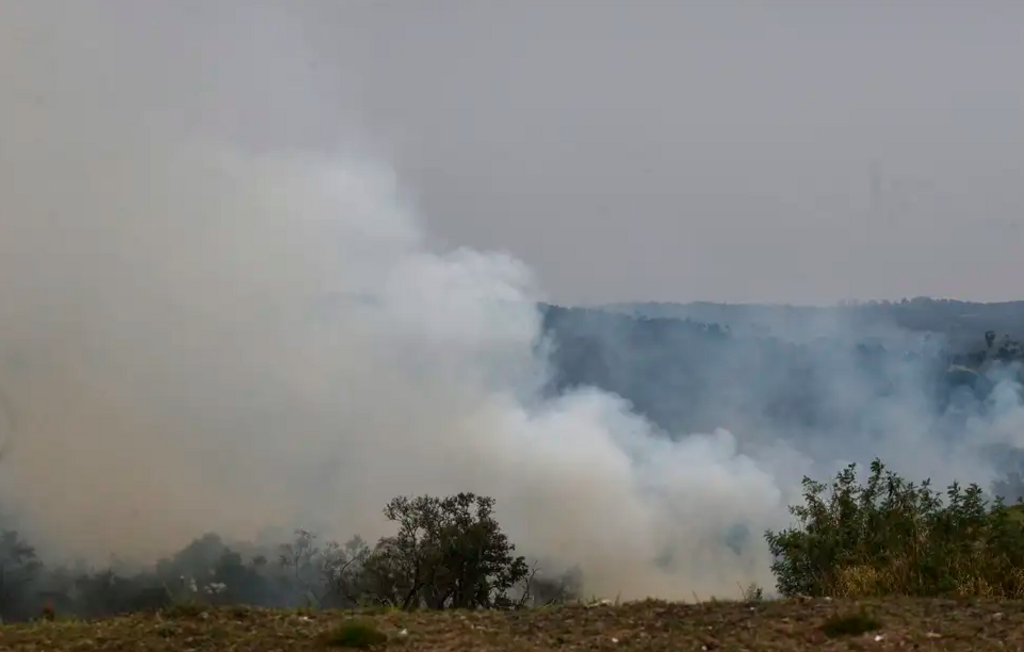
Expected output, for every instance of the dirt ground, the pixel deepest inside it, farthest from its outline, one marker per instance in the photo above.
(786, 626)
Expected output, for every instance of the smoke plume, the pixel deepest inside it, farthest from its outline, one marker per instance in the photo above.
(201, 335)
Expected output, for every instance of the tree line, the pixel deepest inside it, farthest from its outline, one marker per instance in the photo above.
(881, 537)
(886, 536)
(447, 553)
(673, 371)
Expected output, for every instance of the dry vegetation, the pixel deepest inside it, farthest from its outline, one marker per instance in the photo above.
(960, 557)
(848, 567)
(791, 626)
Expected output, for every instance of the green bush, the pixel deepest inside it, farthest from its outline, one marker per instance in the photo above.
(356, 635)
(892, 537)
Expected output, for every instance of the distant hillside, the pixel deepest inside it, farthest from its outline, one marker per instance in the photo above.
(812, 370)
(962, 322)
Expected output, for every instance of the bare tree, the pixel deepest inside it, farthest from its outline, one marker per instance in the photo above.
(343, 569)
(300, 558)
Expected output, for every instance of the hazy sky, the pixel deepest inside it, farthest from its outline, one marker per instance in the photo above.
(722, 150)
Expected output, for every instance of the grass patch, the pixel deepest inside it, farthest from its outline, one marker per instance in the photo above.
(355, 635)
(855, 624)
(185, 609)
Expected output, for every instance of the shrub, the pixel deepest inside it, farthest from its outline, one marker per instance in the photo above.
(891, 536)
(855, 624)
(356, 635)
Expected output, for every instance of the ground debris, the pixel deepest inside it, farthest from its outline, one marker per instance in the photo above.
(783, 626)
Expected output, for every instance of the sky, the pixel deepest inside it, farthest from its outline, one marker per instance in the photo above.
(719, 150)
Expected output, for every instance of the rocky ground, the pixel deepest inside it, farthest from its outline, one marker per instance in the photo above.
(784, 626)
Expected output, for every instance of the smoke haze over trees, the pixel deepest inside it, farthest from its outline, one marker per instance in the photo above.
(209, 343)
(670, 371)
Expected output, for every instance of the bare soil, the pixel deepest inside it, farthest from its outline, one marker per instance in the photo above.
(783, 626)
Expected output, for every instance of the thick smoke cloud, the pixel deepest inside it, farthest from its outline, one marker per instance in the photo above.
(200, 340)
(200, 335)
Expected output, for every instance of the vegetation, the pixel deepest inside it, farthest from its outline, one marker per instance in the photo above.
(672, 370)
(893, 537)
(868, 554)
(886, 559)
(956, 321)
(355, 635)
(448, 553)
(883, 537)
(851, 624)
(973, 625)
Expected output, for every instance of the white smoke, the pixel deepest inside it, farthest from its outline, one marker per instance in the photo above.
(196, 337)
(201, 340)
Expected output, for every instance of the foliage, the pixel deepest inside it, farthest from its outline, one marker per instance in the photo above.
(356, 635)
(18, 568)
(887, 536)
(558, 589)
(853, 624)
(768, 367)
(302, 560)
(106, 592)
(344, 573)
(890, 536)
(752, 593)
(448, 553)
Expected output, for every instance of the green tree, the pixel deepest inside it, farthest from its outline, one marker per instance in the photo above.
(448, 553)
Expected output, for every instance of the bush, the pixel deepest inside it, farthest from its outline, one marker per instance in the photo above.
(855, 624)
(892, 537)
(356, 635)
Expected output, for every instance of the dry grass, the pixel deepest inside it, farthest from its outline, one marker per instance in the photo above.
(789, 626)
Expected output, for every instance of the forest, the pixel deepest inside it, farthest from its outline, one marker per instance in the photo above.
(786, 375)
